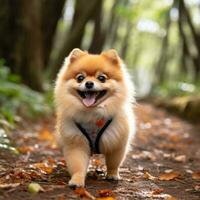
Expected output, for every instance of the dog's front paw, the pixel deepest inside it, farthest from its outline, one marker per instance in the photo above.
(76, 181)
(113, 177)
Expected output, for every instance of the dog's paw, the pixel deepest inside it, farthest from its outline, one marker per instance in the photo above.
(76, 183)
(113, 177)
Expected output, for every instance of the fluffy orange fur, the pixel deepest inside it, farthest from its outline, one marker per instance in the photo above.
(116, 103)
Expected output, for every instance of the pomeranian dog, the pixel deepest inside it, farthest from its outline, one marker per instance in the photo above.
(94, 106)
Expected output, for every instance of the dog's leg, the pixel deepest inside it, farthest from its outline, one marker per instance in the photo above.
(113, 162)
(77, 159)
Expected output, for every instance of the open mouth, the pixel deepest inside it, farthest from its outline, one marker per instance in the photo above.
(89, 98)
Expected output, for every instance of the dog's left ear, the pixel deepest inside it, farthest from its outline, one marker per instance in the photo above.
(75, 54)
(111, 55)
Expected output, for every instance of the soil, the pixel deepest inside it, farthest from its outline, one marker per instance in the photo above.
(163, 163)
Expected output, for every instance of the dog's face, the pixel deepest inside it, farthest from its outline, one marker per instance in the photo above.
(93, 80)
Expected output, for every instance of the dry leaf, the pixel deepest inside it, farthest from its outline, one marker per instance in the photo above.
(169, 176)
(61, 197)
(181, 158)
(145, 155)
(82, 192)
(105, 198)
(105, 193)
(196, 175)
(171, 198)
(149, 176)
(44, 134)
(25, 149)
(197, 188)
(97, 162)
(157, 191)
(8, 185)
(43, 167)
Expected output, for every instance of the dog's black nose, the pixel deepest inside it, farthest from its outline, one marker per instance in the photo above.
(89, 84)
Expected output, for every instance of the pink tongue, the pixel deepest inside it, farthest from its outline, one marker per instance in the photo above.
(89, 100)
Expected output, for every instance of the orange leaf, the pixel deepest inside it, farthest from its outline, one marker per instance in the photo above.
(169, 176)
(43, 167)
(105, 198)
(196, 175)
(82, 192)
(25, 149)
(97, 162)
(171, 198)
(157, 191)
(45, 135)
(105, 193)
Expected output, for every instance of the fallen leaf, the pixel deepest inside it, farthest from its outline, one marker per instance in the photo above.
(181, 158)
(82, 192)
(147, 175)
(105, 198)
(22, 175)
(145, 155)
(169, 176)
(157, 191)
(189, 171)
(171, 198)
(35, 188)
(8, 185)
(25, 149)
(196, 175)
(197, 188)
(105, 193)
(51, 160)
(97, 162)
(46, 135)
(61, 197)
(175, 138)
(43, 167)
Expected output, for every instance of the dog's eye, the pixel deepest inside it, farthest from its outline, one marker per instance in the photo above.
(80, 78)
(102, 78)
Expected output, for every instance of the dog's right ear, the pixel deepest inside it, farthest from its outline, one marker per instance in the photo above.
(75, 54)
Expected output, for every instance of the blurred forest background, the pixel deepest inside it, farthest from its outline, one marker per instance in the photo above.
(159, 41)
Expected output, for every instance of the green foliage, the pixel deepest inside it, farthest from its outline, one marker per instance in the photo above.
(173, 89)
(18, 99)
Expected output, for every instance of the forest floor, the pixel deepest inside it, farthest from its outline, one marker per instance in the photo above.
(164, 163)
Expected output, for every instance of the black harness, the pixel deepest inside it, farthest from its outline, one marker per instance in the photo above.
(94, 145)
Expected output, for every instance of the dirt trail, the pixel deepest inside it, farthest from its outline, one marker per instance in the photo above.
(164, 148)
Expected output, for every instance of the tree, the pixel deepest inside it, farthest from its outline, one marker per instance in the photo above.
(83, 13)
(99, 34)
(162, 60)
(26, 36)
(185, 19)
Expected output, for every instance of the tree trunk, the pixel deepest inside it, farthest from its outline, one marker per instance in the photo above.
(51, 12)
(74, 37)
(98, 37)
(28, 52)
(126, 38)
(183, 12)
(8, 29)
(162, 62)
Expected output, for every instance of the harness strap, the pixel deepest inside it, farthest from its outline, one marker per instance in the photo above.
(100, 133)
(85, 133)
(94, 147)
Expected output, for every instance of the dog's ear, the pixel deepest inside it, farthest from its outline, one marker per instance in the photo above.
(111, 55)
(75, 54)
